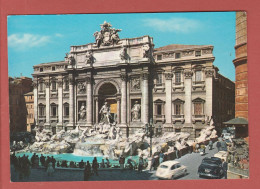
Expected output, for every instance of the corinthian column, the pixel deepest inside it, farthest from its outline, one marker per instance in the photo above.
(35, 105)
(123, 99)
(187, 105)
(89, 102)
(145, 99)
(168, 102)
(208, 106)
(47, 97)
(60, 105)
(71, 101)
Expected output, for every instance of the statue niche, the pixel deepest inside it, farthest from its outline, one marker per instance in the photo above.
(136, 114)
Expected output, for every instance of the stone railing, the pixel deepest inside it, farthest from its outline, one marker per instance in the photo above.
(179, 85)
(196, 118)
(159, 87)
(198, 84)
(176, 118)
(159, 118)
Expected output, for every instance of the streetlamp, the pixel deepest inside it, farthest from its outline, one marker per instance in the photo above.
(151, 133)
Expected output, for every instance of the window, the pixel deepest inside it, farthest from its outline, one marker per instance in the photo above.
(41, 87)
(177, 109)
(41, 110)
(198, 108)
(41, 69)
(159, 79)
(159, 57)
(178, 106)
(159, 109)
(197, 53)
(66, 85)
(53, 110)
(53, 68)
(177, 77)
(66, 109)
(53, 84)
(177, 55)
(198, 75)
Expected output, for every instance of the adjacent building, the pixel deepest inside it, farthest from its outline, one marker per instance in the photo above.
(29, 101)
(177, 86)
(18, 86)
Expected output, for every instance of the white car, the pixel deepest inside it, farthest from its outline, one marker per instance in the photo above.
(221, 155)
(170, 170)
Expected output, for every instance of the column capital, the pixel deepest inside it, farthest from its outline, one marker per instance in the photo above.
(35, 84)
(145, 76)
(209, 72)
(96, 98)
(168, 76)
(47, 83)
(88, 79)
(188, 74)
(123, 77)
(59, 83)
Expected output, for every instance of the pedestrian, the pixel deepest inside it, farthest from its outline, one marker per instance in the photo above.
(95, 166)
(81, 164)
(176, 152)
(50, 169)
(161, 156)
(102, 164)
(223, 145)
(122, 162)
(107, 163)
(141, 164)
(218, 145)
(87, 171)
(42, 160)
(152, 163)
(129, 161)
(225, 167)
(210, 145)
(197, 147)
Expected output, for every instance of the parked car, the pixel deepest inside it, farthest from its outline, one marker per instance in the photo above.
(211, 167)
(170, 170)
(221, 155)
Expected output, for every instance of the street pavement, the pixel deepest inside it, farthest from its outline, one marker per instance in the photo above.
(191, 161)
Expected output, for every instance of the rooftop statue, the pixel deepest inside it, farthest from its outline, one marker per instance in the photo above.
(107, 35)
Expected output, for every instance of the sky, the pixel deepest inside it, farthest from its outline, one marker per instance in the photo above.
(35, 39)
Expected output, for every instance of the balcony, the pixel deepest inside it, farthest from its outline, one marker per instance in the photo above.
(198, 84)
(179, 85)
(198, 118)
(159, 87)
(159, 118)
(176, 118)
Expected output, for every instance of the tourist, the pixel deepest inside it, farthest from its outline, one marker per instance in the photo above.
(95, 166)
(129, 161)
(53, 161)
(32, 159)
(58, 164)
(225, 167)
(102, 164)
(42, 160)
(64, 164)
(141, 164)
(50, 169)
(218, 145)
(122, 162)
(161, 156)
(197, 147)
(176, 152)
(223, 145)
(81, 164)
(107, 163)
(87, 171)
(152, 163)
(36, 161)
(210, 145)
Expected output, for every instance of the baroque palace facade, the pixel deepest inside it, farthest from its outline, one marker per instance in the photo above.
(175, 85)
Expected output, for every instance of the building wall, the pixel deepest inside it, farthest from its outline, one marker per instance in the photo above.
(184, 104)
(241, 66)
(29, 101)
(17, 107)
